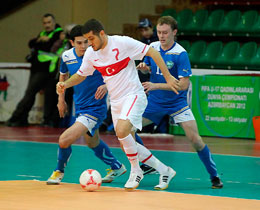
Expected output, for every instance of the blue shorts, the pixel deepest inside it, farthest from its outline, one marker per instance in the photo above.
(91, 120)
(156, 111)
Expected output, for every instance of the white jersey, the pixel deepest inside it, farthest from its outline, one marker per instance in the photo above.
(116, 64)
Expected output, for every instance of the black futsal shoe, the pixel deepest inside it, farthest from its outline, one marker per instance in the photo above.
(216, 183)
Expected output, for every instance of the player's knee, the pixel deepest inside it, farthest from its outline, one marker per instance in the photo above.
(63, 143)
(121, 133)
(92, 144)
(197, 142)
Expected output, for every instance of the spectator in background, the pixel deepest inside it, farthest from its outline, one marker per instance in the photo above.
(43, 59)
(146, 29)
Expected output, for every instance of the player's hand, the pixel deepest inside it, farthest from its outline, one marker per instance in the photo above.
(63, 108)
(174, 84)
(101, 92)
(60, 88)
(143, 67)
(148, 86)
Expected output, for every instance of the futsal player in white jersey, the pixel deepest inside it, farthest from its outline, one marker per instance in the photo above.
(113, 57)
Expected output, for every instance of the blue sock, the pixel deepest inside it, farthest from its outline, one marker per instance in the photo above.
(63, 157)
(138, 139)
(103, 152)
(206, 157)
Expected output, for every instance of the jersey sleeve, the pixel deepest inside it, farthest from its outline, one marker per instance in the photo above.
(63, 67)
(86, 67)
(136, 49)
(184, 68)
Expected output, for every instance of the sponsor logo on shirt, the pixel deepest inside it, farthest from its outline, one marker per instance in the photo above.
(169, 64)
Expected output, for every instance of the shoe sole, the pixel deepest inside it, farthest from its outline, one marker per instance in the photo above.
(52, 183)
(215, 187)
(158, 188)
(131, 189)
(109, 181)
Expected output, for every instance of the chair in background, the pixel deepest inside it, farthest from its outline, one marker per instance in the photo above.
(198, 20)
(255, 61)
(185, 44)
(231, 20)
(245, 25)
(184, 17)
(229, 52)
(197, 49)
(215, 19)
(214, 50)
(246, 53)
(170, 12)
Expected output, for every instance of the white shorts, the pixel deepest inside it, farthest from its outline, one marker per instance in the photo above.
(183, 117)
(90, 122)
(130, 107)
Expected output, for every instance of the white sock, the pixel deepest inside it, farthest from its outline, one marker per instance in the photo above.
(146, 157)
(130, 148)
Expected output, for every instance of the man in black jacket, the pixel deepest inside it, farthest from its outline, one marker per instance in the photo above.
(43, 59)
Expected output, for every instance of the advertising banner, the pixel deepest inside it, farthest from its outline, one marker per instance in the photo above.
(225, 105)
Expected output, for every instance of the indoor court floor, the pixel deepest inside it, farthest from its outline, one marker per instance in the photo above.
(28, 156)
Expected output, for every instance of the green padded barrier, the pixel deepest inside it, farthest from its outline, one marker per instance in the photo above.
(196, 51)
(229, 52)
(214, 50)
(213, 23)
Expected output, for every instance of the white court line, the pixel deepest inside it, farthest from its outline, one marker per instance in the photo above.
(29, 176)
(197, 179)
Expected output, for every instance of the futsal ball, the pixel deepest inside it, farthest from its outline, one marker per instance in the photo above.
(90, 180)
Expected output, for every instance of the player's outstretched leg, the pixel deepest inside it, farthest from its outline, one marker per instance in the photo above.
(207, 159)
(166, 172)
(103, 152)
(58, 174)
(145, 168)
(136, 174)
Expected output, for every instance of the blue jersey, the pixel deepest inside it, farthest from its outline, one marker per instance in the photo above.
(84, 93)
(177, 61)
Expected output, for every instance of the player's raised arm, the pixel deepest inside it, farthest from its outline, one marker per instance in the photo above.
(171, 81)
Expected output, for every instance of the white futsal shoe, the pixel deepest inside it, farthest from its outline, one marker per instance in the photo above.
(134, 180)
(112, 174)
(165, 179)
(55, 178)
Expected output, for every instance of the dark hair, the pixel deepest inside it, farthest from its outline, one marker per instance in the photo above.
(168, 20)
(92, 25)
(75, 31)
(49, 15)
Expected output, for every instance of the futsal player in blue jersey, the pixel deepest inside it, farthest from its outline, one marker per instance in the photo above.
(162, 101)
(90, 105)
